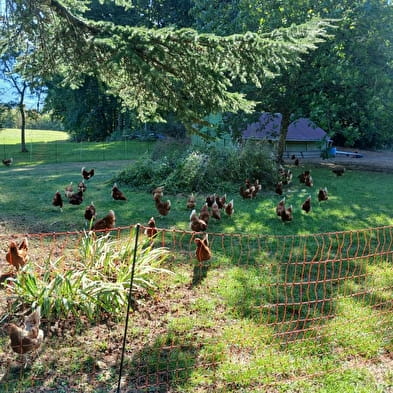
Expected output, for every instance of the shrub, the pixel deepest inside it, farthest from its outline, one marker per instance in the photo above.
(96, 283)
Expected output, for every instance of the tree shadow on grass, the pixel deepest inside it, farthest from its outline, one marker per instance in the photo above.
(163, 366)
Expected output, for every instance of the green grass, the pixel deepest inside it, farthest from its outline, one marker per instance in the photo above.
(216, 336)
(45, 146)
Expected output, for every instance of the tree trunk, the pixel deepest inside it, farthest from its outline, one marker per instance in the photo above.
(23, 128)
(283, 135)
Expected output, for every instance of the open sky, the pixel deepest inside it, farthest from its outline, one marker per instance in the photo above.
(8, 95)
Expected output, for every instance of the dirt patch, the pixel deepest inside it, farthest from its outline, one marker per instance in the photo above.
(379, 161)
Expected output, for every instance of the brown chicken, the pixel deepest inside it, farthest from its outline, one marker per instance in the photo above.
(191, 202)
(8, 161)
(210, 199)
(203, 252)
(58, 200)
(151, 230)
(27, 338)
(306, 206)
(279, 188)
(108, 222)
(87, 174)
(280, 207)
(286, 214)
(196, 223)
(221, 201)
(296, 162)
(339, 171)
(163, 207)
(158, 192)
(204, 213)
(17, 254)
(308, 181)
(76, 198)
(229, 208)
(69, 190)
(82, 186)
(90, 213)
(118, 195)
(323, 194)
(302, 176)
(246, 193)
(216, 213)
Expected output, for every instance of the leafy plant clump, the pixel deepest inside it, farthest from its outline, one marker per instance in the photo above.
(95, 284)
(203, 168)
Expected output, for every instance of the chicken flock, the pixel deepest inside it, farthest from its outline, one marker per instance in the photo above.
(28, 336)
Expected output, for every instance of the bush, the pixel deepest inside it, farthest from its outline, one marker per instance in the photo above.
(202, 169)
(97, 282)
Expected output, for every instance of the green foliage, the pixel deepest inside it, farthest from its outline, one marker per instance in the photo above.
(201, 169)
(96, 283)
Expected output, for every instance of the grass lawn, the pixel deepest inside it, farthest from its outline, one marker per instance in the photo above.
(46, 146)
(216, 336)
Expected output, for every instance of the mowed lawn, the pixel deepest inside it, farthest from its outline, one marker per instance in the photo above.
(357, 200)
(213, 336)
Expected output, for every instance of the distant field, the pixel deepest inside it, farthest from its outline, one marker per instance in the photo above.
(46, 146)
(10, 136)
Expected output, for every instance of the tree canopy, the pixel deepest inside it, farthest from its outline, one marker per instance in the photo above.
(154, 71)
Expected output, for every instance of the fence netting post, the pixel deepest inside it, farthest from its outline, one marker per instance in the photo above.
(128, 307)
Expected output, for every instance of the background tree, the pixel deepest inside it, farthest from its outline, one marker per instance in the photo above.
(156, 71)
(345, 85)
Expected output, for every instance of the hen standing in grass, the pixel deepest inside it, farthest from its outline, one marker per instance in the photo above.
(306, 206)
(323, 194)
(118, 195)
(58, 200)
(27, 338)
(151, 230)
(17, 254)
(87, 174)
(162, 207)
(76, 198)
(286, 214)
(90, 213)
(8, 161)
(229, 208)
(191, 202)
(196, 223)
(108, 222)
(203, 252)
(280, 207)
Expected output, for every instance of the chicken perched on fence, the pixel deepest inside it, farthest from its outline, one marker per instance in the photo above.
(28, 337)
(87, 174)
(17, 254)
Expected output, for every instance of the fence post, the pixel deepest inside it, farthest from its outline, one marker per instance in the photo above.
(128, 306)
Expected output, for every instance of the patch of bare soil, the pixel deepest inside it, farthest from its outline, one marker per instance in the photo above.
(378, 161)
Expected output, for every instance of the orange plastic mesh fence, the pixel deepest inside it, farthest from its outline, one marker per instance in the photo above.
(221, 323)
